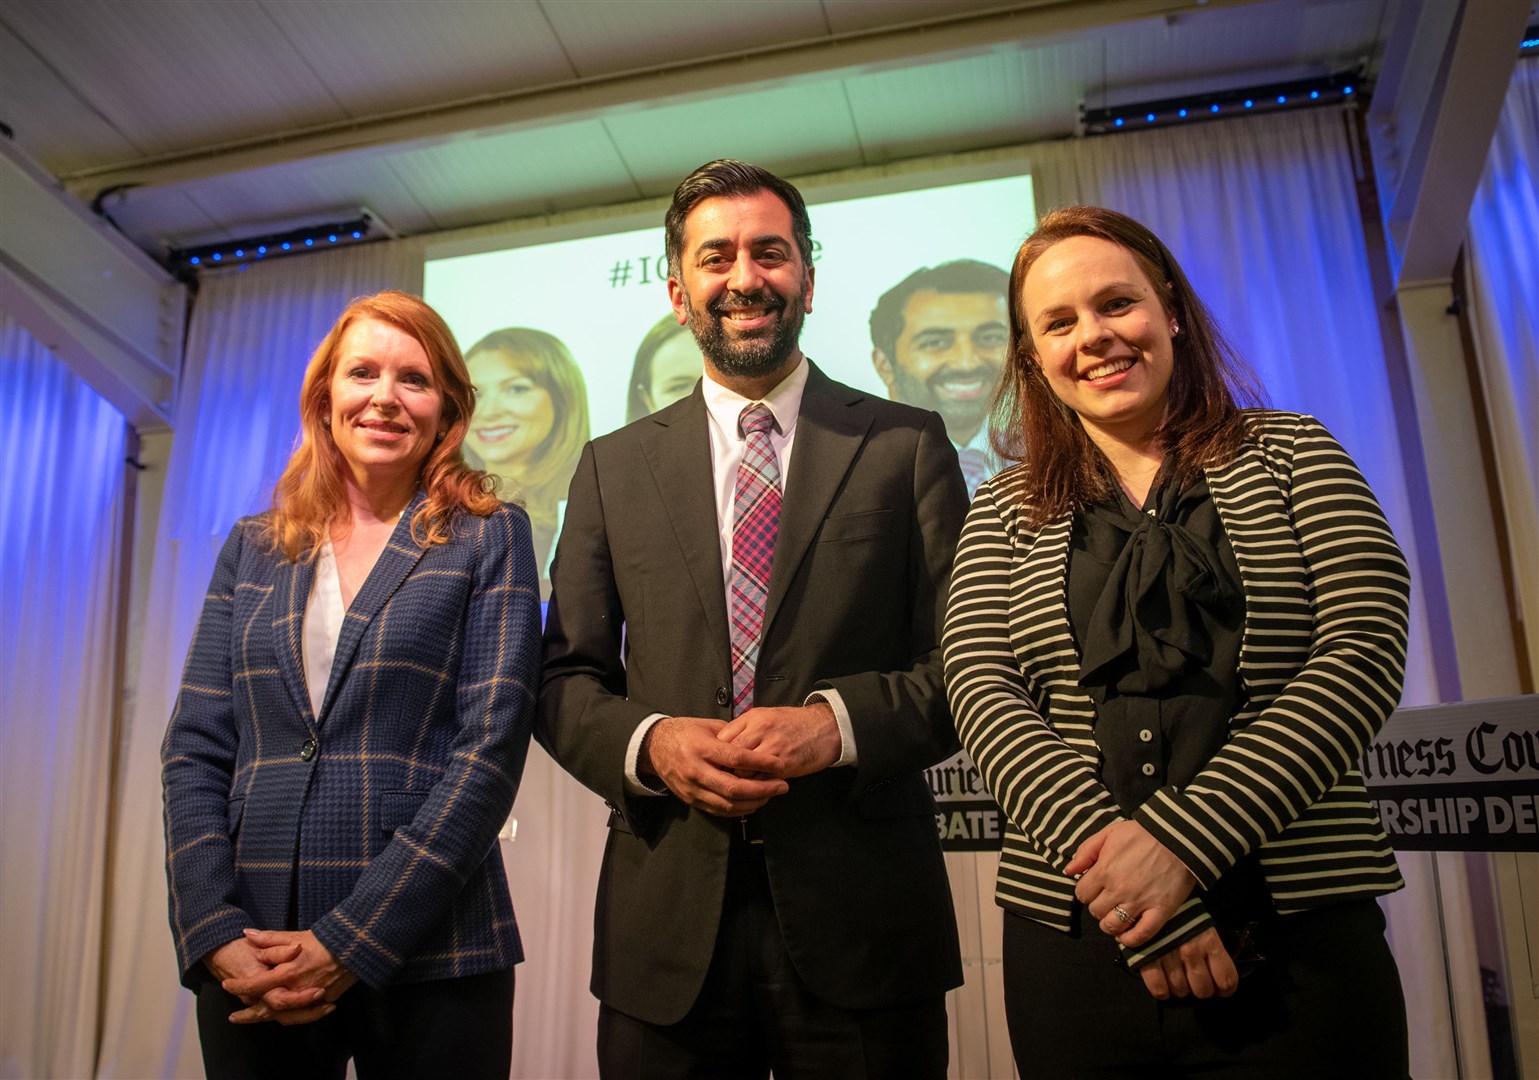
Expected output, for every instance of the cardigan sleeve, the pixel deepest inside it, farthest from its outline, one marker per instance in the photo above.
(409, 886)
(197, 766)
(1314, 730)
(1046, 787)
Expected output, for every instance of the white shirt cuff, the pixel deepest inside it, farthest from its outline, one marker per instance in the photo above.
(633, 782)
(847, 754)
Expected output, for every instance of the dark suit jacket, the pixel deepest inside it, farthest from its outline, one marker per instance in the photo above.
(389, 802)
(873, 506)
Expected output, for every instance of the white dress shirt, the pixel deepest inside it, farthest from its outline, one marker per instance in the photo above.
(728, 445)
(323, 626)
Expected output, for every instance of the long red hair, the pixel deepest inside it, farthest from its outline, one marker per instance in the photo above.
(311, 493)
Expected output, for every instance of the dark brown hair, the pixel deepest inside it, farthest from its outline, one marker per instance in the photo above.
(1209, 383)
(729, 179)
(310, 495)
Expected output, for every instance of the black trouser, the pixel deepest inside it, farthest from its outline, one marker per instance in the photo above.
(445, 1027)
(755, 1013)
(1324, 1002)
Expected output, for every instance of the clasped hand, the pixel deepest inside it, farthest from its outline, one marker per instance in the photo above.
(1123, 868)
(282, 975)
(732, 769)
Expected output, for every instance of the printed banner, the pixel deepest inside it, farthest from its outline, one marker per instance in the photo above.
(1459, 777)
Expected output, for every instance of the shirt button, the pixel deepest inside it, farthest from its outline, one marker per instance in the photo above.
(307, 751)
(1146, 735)
(722, 697)
(1148, 769)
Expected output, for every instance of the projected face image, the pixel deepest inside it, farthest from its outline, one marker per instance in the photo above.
(742, 286)
(513, 413)
(949, 357)
(676, 366)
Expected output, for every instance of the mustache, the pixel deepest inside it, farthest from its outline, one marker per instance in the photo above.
(730, 300)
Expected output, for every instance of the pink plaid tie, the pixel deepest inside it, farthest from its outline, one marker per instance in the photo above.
(755, 516)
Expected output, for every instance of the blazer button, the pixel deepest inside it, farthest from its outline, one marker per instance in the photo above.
(307, 751)
(722, 697)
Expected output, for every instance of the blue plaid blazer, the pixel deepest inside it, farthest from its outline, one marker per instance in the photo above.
(373, 824)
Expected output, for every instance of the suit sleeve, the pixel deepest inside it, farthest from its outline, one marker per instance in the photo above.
(197, 766)
(1045, 787)
(410, 885)
(584, 719)
(900, 718)
(1316, 728)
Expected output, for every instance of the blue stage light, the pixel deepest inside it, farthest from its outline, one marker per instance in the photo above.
(1282, 99)
(1213, 108)
(287, 245)
(1149, 118)
(1182, 114)
(332, 239)
(357, 235)
(1346, 91)
(217, 257)
(195, 260)
(1314, 95)
(309, 241)
(1117, 122)
(1249, 103)
(240, 253)
(261, 251)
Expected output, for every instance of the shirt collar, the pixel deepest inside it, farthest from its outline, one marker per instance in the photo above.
(784, 401)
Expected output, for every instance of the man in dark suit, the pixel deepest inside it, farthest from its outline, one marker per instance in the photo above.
(741, 658)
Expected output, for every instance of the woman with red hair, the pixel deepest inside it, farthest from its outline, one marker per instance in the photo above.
(350, 733)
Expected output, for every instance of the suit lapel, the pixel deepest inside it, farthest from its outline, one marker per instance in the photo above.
(291, 592)
(830, 429)
(399, 558)
(678, 451)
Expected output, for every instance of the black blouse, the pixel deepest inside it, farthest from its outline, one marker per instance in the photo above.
(1157, 608)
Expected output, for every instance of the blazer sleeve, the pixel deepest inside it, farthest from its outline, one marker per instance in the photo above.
(409, 886)
(584, 719)
(197, 766)
(1049, 790)
(900, 719)
(1316, 728)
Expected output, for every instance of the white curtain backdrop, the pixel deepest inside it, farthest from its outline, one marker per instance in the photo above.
(1263, 215)
(60, 533)
(1502, 249)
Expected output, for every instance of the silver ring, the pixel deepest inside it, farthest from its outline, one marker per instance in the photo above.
(1121, 914)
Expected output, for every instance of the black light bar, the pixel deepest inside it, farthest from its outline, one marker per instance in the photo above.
(1194, 108)
(276, 245)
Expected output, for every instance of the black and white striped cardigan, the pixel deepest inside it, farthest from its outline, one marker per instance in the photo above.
(1322, 661)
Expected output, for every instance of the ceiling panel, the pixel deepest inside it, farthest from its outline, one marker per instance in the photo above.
(278, 199)
(982, 101)
(156, 218)
(546, 170)
(49, 120)
(173, 74)
(790, 129)
(606, 36)
(1242, 46)
(380, 57)
(848, 15)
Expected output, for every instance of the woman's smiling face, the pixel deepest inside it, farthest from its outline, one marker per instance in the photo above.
(386, 406)
(514, 414)
(1101, 335)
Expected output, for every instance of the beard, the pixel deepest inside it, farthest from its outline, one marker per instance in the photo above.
(964, 416)
(760, 354)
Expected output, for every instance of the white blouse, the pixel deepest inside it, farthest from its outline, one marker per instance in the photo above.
(323, 625)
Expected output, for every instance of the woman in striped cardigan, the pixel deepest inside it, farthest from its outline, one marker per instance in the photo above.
(1173, 627)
